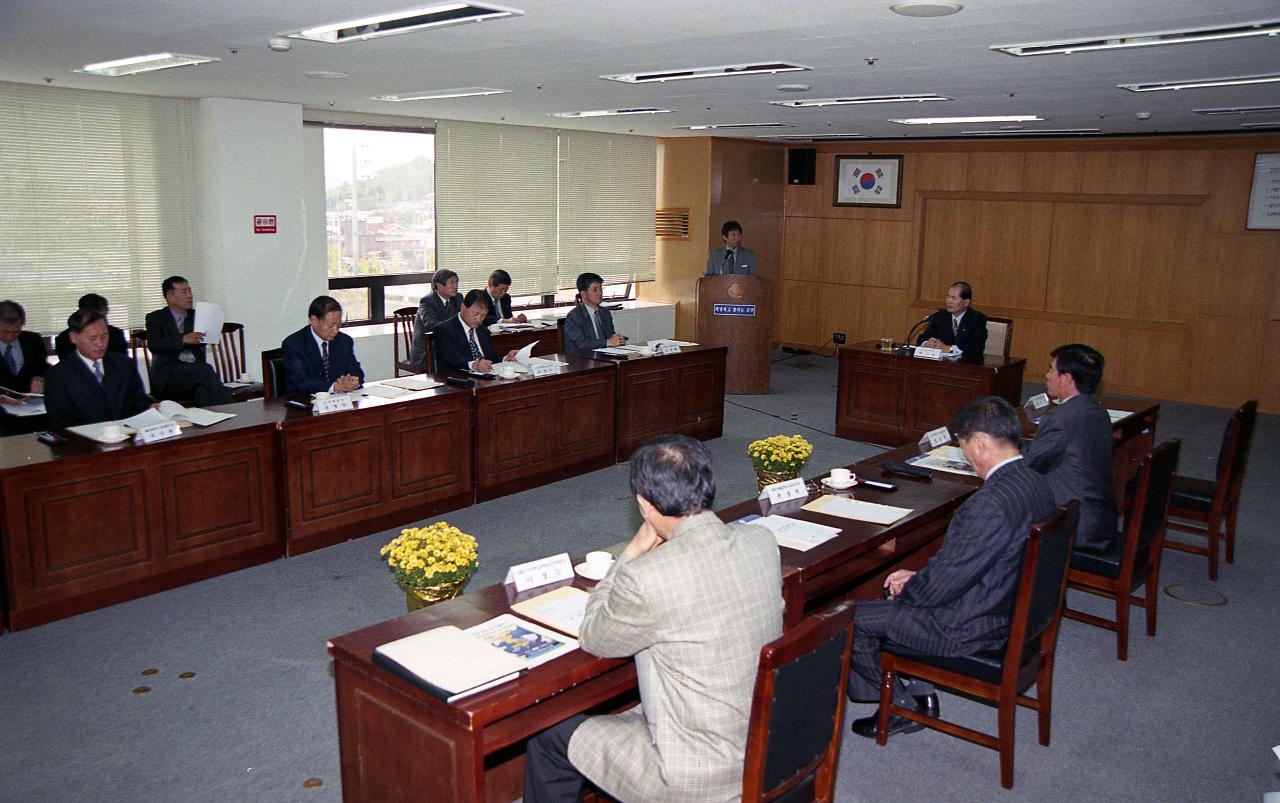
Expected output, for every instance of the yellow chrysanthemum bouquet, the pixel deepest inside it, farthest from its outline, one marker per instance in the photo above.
(432, 555)
(780, 453)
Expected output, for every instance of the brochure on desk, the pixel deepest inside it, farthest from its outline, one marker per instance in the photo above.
(167, 411)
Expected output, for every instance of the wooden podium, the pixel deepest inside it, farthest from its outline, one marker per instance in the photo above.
(736, 311)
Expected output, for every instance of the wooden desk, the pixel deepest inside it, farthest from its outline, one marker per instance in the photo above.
(386, 463)
(86, 526)
(882, 397)
(670, 393)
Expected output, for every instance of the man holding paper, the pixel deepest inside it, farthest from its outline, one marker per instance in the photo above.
(93, 385)
(463, 344)
(696, 645)
(176, 343)
(961, 601)
(499, 290)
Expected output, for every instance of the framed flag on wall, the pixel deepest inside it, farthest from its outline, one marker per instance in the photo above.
(868, 181)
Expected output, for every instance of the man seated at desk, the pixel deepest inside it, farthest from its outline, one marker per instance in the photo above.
(178, 367)
(462, 344)
(589, 326)
(1072, 448)
(958, 324)
(696, 645)
(318, 357)
(64, 348)
(93, 385)
(499, 291)
(961, 601)
(436, 307)
(23, 357)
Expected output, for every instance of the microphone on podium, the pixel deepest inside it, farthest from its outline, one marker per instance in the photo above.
(907, 345)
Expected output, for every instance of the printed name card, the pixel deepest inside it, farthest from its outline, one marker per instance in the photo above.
(937, 437)
(1038, 402)
(332, 404)
(540, 572)
(927, 353)
(785, 491)
(157, 432)
(666, 347)
(543, 369)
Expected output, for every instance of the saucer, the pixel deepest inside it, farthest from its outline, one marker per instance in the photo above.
(582, 569)
(844, 486)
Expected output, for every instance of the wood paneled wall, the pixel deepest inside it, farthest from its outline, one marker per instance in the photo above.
(1135, 246)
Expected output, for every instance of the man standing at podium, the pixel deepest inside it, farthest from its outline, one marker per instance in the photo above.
(732, 257)
(958, 325)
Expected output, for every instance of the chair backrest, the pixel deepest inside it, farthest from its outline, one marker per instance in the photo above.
(999, 336)
(1042, 585)
(1146, 520)
(273, 380)
(227, 355)
(797, 713)
(138, 347)
(402, 338)
(1234, 454)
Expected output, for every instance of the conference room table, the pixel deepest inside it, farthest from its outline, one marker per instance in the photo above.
(398, 742)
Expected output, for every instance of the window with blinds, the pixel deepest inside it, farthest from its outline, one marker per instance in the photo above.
(97, 194)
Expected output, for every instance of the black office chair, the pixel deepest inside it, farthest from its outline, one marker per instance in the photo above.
(1002, 676)
(273, 381)
(797, 713)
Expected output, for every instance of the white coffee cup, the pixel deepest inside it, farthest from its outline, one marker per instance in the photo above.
(841, 476)
(646, 349)
(505, 370)
(111, 432)
(598, 562)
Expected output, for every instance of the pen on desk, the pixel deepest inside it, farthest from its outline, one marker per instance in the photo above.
(297, 404)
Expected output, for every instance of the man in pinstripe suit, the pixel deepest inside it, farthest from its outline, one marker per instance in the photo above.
(960, 602)
(693, 600)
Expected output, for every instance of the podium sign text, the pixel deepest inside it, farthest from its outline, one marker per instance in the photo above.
(734, 309)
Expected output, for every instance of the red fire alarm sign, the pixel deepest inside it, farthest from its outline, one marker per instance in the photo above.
(264, 224)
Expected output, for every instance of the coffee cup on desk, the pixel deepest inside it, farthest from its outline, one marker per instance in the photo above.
(506, 370)
(112, 432)
(841, 477)
(598, 562)
(646, 349)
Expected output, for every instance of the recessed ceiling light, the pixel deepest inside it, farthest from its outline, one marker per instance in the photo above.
(857, 101)
(925, 8)
(1275, 124)
(1238, 110)
(407, 21)
(325, 75)
(1127, 40)
(610, 112)
(812, 137)
(730, 125)
(1011, 118)
(1034, 132)
(441, 94)
(139, 64)
(792, 87)
(1204, 83)
(725, 71)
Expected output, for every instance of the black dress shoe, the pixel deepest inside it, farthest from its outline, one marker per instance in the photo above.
(925, 704)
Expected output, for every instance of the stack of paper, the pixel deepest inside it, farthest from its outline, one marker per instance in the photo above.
(857, 510)
(167, 411)
(562, 608)
(411, 383)
(21, 404)
(945, 458)
(795, 533)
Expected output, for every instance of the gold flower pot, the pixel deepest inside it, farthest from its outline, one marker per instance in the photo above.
(765, 477)
(418, 597)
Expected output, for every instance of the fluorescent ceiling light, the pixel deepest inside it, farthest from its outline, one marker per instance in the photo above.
(1275, 124)
(610, 112)
(857, 101)
(1012, 118)
(137, 64)
(725, 71)
(811, 137)
(1238, 110)
(441, 94)
(730, 125)
(1128, 40)
(1034, 132)
(1204, 83)
(407, 21)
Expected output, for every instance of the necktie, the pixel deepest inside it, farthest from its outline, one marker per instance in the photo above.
(475, 347)
(955, 325)
(324, 357)
(97, 371)
(9, 358)
(728, 262)
(594, 328)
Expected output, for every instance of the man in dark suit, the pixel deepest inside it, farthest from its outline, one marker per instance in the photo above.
(178, 367)
(94, 384)
(23, 356)
(589, 325)
(1072, 447)
(961, 601)
(732, 257)
(318, 357)
(499, 290)
(958, 324)
(463, 344)
(64, 348)
(436, 307)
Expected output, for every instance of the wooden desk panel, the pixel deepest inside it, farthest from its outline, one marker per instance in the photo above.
(672, 393)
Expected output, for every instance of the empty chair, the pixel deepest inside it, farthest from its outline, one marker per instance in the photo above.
(1002, 676)
(1133, 558)
(1212, 503)
(402, 336)
(273, 381)
(228, 359)
(999, 336)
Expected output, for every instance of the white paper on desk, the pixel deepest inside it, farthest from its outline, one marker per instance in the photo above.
(857, 510)
(524, 355)
(382, 391)
(618, 352)
(536, 360)
(146, 418)
(1116, 415)
(411, 383)
(680, 343)
(534, 643)
(944, 458)
(199, 416)
(31, 405)
(209, 319)
(795, 533)
(562, 608)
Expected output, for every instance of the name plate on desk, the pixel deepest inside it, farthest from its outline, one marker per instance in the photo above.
(733, 309)
(540, 572)
(332, 404)
(543, 369)
(928, 354)
(785, 491)
(157, 432)
(666, 347)
(935, 438)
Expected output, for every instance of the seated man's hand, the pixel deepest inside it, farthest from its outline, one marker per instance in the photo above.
(521, 318)
(617, 340)
(896, 580)
(193, 338)
(511, 356)
(37, 384)
(482, 366)
(935, 343)
(645, 539)
(346, 384)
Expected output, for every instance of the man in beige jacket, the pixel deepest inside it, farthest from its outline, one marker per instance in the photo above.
(693, 600)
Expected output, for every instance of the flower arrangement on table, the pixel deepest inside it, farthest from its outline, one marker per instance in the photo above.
(431, 563)
(779, 457)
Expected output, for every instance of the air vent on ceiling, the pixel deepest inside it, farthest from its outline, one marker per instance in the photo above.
(672, 224)
(1238, 110)
(725, 71)
(1128, 40)
(398, 22)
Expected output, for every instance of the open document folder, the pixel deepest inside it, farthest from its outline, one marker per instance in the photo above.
(167, 411)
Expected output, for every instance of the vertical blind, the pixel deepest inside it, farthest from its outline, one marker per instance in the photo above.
(97, 194)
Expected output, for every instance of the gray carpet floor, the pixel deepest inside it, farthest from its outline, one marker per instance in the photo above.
(1191, 716)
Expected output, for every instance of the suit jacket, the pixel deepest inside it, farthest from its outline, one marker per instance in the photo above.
(1072, 449)
(165, 343)
(432, 311)
(967, 588)
(971, 338)
(499, 308)
(73, 396)
(64, 348)
(696, 648)
(450, 347)
(303, 368)
(578, 334)
(35, 362)
(744, 261)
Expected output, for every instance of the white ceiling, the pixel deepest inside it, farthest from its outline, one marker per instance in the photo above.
(551, 57)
